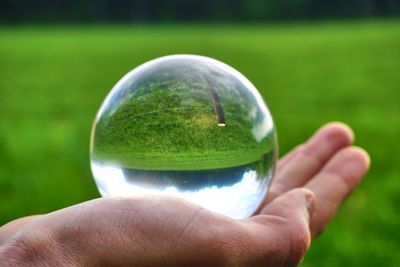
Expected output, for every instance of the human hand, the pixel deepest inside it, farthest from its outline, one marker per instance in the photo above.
(160, 230)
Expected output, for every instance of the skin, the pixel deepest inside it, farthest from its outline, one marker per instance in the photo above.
(310, 184)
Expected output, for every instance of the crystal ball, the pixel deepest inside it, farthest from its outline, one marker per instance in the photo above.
(188, 126)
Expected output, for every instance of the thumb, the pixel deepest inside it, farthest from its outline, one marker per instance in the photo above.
(295, 208)
(296, 204)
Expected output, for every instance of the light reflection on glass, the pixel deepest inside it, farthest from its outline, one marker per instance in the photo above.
(238, 200)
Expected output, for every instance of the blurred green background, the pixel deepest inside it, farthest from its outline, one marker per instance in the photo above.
(53, 79)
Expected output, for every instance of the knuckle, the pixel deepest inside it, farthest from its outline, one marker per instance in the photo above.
(300, 239)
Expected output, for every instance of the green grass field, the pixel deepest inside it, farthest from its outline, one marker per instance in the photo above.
(54, 78)
(167, 121)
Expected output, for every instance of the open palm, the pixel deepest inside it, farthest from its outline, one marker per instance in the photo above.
(310, 184)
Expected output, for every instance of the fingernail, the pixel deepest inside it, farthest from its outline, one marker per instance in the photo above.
(310, 204)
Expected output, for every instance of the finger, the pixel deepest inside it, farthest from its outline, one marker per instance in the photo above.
(334, 183)
(12, 227)
(295, 204)
(288, 157)
(288, 216)
(309, 159)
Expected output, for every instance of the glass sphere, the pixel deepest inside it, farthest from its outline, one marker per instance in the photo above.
(189, 126)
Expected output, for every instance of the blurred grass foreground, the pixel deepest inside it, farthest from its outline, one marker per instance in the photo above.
(54, 78)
